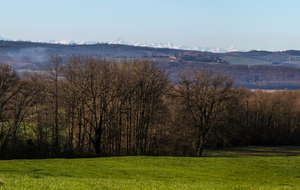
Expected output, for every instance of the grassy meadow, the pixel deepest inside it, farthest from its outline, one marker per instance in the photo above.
(236, 168)
(236, 60)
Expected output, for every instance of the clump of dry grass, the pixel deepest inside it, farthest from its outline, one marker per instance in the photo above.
(2, 182)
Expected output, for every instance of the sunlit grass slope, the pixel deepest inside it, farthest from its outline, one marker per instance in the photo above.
(251, 172)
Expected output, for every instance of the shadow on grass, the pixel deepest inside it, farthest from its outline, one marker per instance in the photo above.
(254, 151)
(36, 173)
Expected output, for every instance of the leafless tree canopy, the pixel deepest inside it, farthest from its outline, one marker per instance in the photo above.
(87, 107)
(204, 96)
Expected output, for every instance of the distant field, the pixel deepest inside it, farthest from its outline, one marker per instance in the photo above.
(237, 168)
(245, 61)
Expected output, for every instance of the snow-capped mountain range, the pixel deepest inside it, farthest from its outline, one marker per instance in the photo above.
(134, 43)
(173, 46)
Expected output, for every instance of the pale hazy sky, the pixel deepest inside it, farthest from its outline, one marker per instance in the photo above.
(244, 24)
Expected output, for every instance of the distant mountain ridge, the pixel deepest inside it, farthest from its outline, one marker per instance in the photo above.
(173, 46)
(6, 39)
(134, 43)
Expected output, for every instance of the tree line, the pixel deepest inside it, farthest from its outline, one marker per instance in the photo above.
(85, 107)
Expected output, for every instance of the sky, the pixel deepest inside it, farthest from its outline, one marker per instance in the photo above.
(244, 24)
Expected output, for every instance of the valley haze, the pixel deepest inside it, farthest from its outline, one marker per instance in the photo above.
(254, 69)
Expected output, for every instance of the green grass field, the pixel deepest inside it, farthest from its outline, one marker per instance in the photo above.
(239, 168)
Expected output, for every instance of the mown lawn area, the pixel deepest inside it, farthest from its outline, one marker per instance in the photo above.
(240, 168)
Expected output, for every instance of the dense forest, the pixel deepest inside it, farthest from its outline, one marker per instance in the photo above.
(85, 107)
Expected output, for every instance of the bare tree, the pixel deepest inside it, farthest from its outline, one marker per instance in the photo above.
(204, 94)
(149, 84)
(9, 85)
(53, 73)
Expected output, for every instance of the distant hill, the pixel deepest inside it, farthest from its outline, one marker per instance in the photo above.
(253, 69)
(284, 58)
